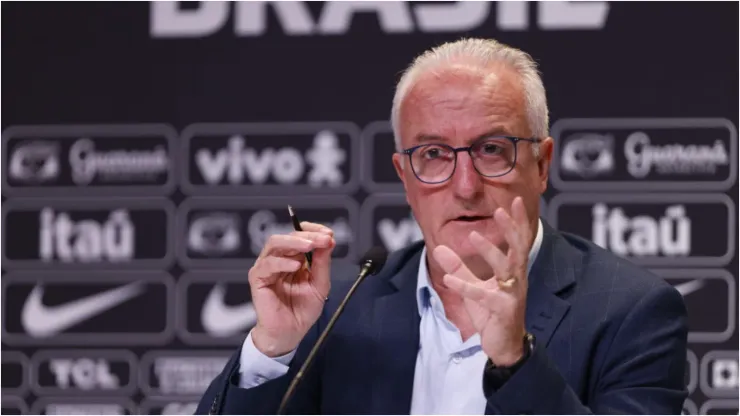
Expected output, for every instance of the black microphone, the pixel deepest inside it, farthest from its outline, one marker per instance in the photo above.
(371, 263)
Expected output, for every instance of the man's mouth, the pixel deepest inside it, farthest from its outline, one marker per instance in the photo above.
(472, 218)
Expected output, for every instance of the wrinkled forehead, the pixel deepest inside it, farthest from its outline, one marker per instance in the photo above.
(460, 102)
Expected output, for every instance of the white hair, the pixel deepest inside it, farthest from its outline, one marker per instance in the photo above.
(482, 52)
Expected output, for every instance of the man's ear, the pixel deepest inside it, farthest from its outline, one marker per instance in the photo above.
(401, 163)
(544, 162)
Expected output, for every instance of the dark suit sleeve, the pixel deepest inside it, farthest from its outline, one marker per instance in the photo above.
(224, 393)
(641, 370)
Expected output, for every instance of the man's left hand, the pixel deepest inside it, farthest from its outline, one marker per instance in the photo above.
(496, 304)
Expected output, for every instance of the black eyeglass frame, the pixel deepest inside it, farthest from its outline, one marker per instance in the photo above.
(513, 139)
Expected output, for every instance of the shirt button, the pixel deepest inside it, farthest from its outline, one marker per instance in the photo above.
(456, 359)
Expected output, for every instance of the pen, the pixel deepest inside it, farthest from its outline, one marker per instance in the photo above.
(297, 227)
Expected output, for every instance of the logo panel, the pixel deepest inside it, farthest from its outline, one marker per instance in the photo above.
(644, 154)
(387, 221)
(719, 374)
(692, 372)
(169, 407)
(667, 230)
(87, 308)
(719, 407)
(180, 373)
(270, 158)
(710, 296)
(88, 233)
(15, 370)
(689, 408)
(378, 146)
(86, 372)
(230, 233)
(13, 406)
(216, 308)
(83, 406)
(116, 160)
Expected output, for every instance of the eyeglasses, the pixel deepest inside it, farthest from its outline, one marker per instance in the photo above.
(492, 157)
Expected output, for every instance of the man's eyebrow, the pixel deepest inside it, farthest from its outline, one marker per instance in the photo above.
(498, 131)
(422, 138)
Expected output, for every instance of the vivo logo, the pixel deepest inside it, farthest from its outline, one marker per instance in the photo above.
(275, 158)
(250, 18)
(285, 165)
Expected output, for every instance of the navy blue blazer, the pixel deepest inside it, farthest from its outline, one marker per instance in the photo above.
(610, 338)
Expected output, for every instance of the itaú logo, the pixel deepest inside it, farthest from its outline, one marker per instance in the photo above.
(170, 20)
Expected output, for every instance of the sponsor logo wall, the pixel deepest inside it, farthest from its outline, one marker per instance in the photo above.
(141, 180)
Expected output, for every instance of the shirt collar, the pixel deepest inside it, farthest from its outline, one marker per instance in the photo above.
(424, 290)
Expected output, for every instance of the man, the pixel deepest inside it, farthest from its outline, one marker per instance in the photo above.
(495, 311)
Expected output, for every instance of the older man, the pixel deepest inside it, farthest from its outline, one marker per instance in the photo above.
(495, 311)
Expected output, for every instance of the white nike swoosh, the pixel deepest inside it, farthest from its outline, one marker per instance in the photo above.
(223, 320)
(689, 287)
(41, 321)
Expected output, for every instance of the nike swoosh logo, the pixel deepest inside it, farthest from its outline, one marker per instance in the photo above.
(41, 321)
(223, 320)
(689, 287)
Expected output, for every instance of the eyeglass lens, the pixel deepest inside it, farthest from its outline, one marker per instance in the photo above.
(436, 163)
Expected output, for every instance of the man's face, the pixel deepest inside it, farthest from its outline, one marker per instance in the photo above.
(456, 106)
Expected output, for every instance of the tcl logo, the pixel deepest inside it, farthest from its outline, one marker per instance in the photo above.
(88, 372)
(169, 20)
(84, 373)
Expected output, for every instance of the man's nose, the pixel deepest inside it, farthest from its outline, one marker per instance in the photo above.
(466, 181)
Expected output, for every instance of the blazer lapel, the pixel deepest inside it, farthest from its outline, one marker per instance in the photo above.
(396, 319)
(553, 271)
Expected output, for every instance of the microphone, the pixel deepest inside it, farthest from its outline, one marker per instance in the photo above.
(371, 263)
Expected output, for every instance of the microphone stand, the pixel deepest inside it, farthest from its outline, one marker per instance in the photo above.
(366, 269)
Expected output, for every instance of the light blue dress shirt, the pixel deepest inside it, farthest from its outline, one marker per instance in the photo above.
(448, 375)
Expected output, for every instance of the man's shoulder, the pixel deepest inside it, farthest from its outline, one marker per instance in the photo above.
(604, 274)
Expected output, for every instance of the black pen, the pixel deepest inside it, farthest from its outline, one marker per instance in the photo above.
(297, 227)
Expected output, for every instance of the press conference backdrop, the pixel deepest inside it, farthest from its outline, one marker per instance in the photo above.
(149, 150)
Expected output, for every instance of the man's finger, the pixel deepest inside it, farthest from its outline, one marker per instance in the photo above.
(519, 214)
(320, 239)
(465, 289)
(289, 245)
(491, 254)
(451, 263)
(517, 248)
(321, 269)
(269, 268)
(319, 228)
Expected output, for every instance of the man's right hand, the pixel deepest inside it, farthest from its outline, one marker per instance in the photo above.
(287, 297)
